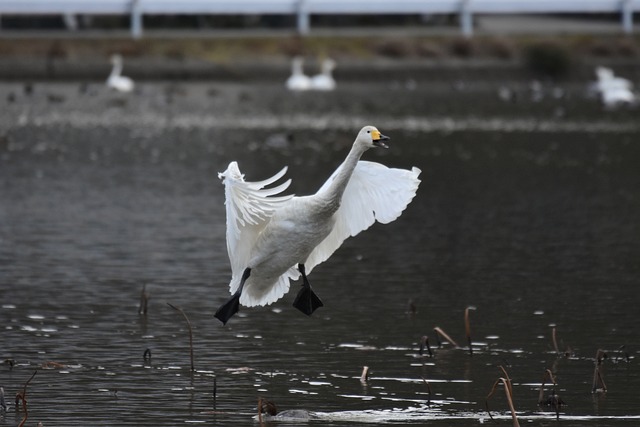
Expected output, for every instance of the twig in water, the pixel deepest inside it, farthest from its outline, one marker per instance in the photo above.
(467, 328)
(144, 300)
(424, 343)
(365, 374)
(601, 355)
(440, 332)
(555, 342)
(22, 396)
(190, 332)
(508, 390)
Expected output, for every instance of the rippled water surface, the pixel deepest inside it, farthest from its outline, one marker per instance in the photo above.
(528, 213)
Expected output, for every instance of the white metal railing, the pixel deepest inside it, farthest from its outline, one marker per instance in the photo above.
(136, 9)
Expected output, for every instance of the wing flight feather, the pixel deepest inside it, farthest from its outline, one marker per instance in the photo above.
(249, 208)
(374, 192)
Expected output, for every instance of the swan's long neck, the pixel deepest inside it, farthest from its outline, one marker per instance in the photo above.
(327, 68)
(335, 189)
(117, 69)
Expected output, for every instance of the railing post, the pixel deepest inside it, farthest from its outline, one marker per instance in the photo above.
(466, 18)
(303, 18)
(627, 16)
(136, 19)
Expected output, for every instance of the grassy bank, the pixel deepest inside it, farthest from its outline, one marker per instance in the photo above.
(193, 56)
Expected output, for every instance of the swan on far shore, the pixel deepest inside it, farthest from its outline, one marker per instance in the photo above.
(298, 81)
(324, 80)
(613, 91)
(272, 239)
(115, 80)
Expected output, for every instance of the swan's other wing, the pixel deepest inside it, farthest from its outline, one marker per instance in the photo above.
(249, 208)
(374, 193)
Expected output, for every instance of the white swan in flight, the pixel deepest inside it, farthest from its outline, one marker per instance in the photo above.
(298, 80)
(324, 80)
(117, 81)
(273, 239)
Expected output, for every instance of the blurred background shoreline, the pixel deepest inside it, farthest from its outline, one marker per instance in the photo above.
(522, 47)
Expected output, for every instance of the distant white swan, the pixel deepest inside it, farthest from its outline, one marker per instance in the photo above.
(117, 81)
(613, 91)
(298, 80)
(272, 240)
(324, 80)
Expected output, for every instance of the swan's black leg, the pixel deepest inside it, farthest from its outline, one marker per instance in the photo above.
(230, 307)
(306, 301)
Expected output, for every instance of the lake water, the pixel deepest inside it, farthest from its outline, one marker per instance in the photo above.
(528, 212)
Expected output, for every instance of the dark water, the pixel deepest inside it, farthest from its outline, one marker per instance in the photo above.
(530, 217)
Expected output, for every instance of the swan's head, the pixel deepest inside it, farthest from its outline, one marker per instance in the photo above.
(604, 73)
(328, 64)
(116, 59)
(370, 136)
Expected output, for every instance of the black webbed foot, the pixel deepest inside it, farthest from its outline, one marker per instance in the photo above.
(228, 309)
(232, 306)
(306, 301)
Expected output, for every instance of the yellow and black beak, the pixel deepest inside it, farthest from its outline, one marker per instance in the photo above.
(378, 139)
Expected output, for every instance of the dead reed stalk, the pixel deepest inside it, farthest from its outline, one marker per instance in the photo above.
(553, 400)
(467, 328)
(144, 301)
(424, 343)
(190, 332)
(440, 332)
(547, 374)
(554, 340)
(22, 397)
(601, 355)
(508, 390)
(364, 377)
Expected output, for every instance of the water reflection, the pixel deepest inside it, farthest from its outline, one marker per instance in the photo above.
(535, 229)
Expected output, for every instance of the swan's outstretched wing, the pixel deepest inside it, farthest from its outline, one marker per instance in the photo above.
(249, 207)
(375, 192)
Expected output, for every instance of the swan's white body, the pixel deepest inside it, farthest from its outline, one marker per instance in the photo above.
(298, 80)
(115, 80)
(272, 235)
(613, 91)
(324, 80)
